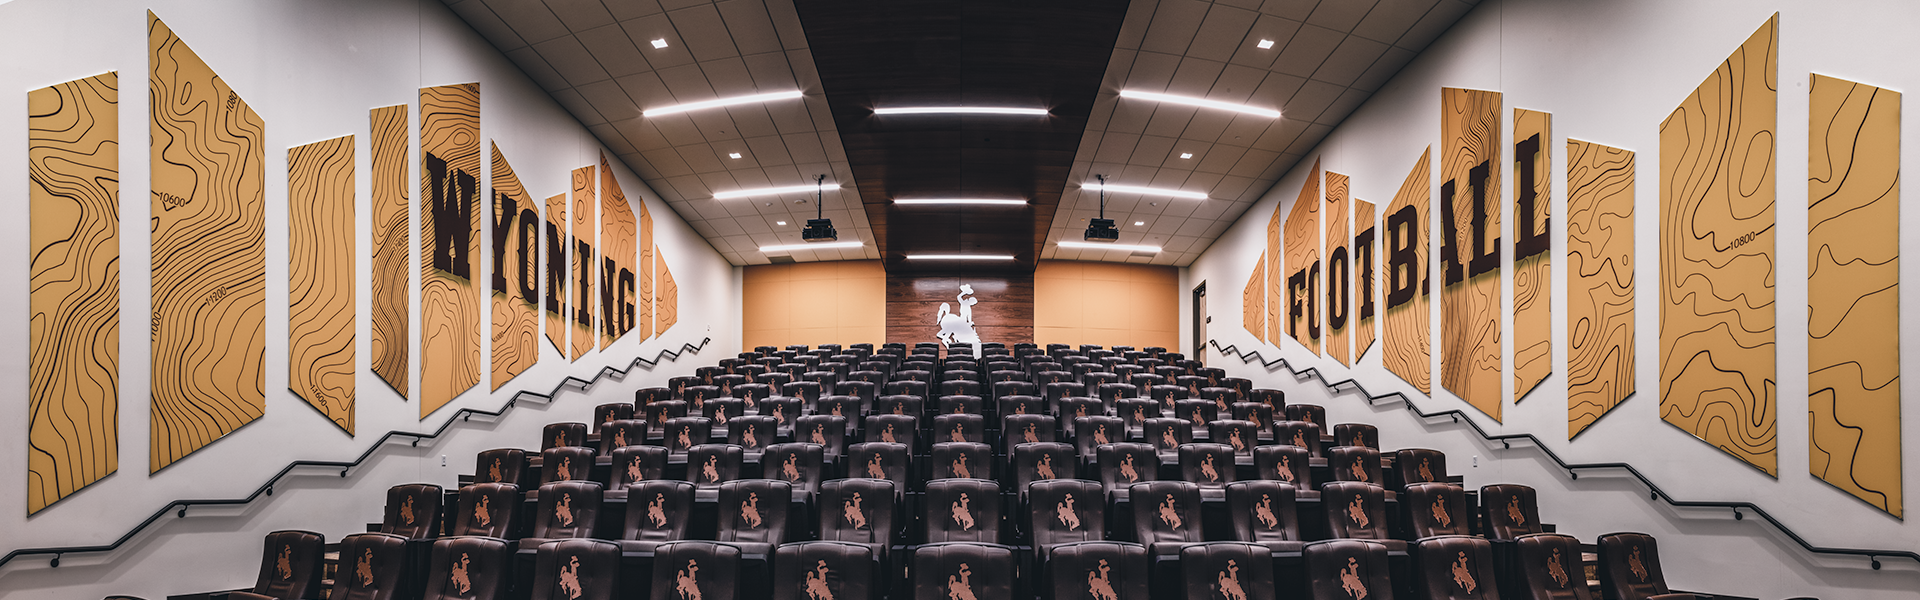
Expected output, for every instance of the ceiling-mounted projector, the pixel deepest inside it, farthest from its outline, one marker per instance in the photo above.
(819, 229)
(1102, 230)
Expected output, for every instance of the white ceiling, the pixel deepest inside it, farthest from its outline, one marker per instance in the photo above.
(595, 58)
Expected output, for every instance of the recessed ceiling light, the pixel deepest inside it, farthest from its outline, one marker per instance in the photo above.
(1200, 102)
(1265, 44)
(660, 43)
(680, 108)
(1132, 189)
(1001, 201)
(813, 246)
(1185, 155)
(1135, 223)
(780, 222)
(772, 191)
(1107, 246)
(959, 257)
(733, 155)
(963, 110)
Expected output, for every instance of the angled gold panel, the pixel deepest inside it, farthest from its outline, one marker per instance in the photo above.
(1253, 304)
(583, 267)
(392, 249)
(1600, 282)
(617, 278)
(450, 312)
(1366, 277)
(1470, 345)
(1339, 280)
(516, 273)
(557, 309)
(1532, 250)
(1406, 281)
(320, 290)
(1302, 283)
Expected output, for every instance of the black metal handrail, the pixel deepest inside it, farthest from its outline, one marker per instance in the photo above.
(461, 415)
(1572, 469)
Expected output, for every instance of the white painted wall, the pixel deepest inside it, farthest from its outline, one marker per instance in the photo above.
(312, 70)
(1610, 72)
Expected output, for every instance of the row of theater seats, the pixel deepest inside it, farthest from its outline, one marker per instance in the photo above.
(980, 498)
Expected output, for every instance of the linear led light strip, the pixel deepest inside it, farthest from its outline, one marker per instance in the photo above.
(963, 110)
(1133, 189)
(988, 201)
(818, 246)
(1200, 102)
(959, 257)
(680, 108)
(772, 191)
(1106, 246)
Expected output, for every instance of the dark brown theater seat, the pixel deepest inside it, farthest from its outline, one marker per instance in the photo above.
(1098, 571)
(1064, 511)
(1549, 567)
(1358, 511)
(1209, 466)
(894, 429)
(881, 460)
(753, 514)
(1263, 513)
(1356, 463)
(1630, 569)
(618, 434)
(800, 464)
(963, 510)
(683, 433)
(1310, 413)
(1167, 434)
(709, 465)
(1420, 465)
(413, 511)
(958, 571)
(963, 460)
(858, 511)
(829, 431)
(1040, 461)
(658, 512)
(577, 569)
(1509, 511)
(608, 413)
(1298, 433)
(1092, 432)
(959, 427)
(468, 568)
(1016, 429)
(1347, 569)
(1435, 509)
(560, 435)
(372, 567)
(1289, 464)
(1455, 567)
(567, 510)
(633, 464)
(1235, 570)
(486, 510)
(959, 404)
(1242, 436)
(823, 571)
(289, 567)
(500, 465)
(1356, 434)
(754, 433)
(1124, 464)
(1166, 515)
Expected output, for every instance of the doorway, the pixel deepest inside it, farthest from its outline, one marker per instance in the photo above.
(1200, 320)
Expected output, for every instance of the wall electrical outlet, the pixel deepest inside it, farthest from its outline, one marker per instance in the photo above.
(1476, 461)
(443, 460)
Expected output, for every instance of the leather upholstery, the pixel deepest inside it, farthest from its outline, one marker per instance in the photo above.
(866, 391)
(1420, 465)
(1263, 513)
(808, 391)
(1167, 434)
(963, 510)
(635, 463)
(909, 387)
(556, 435)
(799, 464)
(697, 396)
(576, 570)
(1021, 405)
(1233, 570)
(1073, 408)
(1091, 432)
(620, 433)
(1018, 429)
(726, 382)
(567, 463)
(960, 571)
(645, 396)
(468, 568)
(1358, 511)
(783, 410)
(1347, 569)
(1223, 399)
(912, 406)
(1276, 399)
(1110, 392)
(567, 509)
(1065, 511)
(1136, 411)
(959, 387)
(1207, 465)
(959, 428)
(1002, 389)
(1311, 413)
(723, 410)
(1041, 461)
(963, 460)
(1260, 414)
(1126, 463)
(823, 571)
(486, 509)
(1164, 393)
(1630, 567)
(960, 404)
(752, 394)
(1549, 567)
(1509, 510)
(658, 511)
(1098, 571)
(290, 565)
(1356, 434)
(753, 433)
(1355, 463)
(500, 465)
(859, 511)
(678, 386)
(709, 465)
(683, 433)
(1287, 464)
(753, 514)
(413, 511)
(839, 406)
(881, 460)
(1057, 388)
(1166, 515)
(1435, 509)
(608, 413)
(896, 429)
(657, 414)
(1240, 435)
(827, 430)
(371, 567)
(1298, 433)
(1456, 567)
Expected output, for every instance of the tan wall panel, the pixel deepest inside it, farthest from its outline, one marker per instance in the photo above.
(1470, 303)
(841, 302)
(1109, 304)
(1532, 297)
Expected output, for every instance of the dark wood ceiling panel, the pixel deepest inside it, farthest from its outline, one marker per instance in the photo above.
(940, 53)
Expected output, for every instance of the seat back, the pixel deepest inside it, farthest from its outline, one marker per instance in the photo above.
(1355, 510)
(1207, 465)
(467, 568)
(962, 571)
(1041, 461)
(1025, 429)
(658, 510)
(959, 386)
(1298, 433)
(959, 404)
(807, 391)
(698, 395)
(723, 410)
(608, 413)
(822, 571)
(1509, 511)
(1630, 567)
(683, 433)
(839, 406)
(1098, 571)
(371, 566)
(1356, 434)
(1236, 570)
(753, 433)
(1167, 434)
(576, 570)
(1263, 511)
(657, 413)
(907, 388)
(797, 463)
(754, 510)
(413, 511)
(783, 409)
(1240, 435)
(858, 510)
(1355, 463)
(1126, 463)
(486, 510)
(1275, 400)
(560, 435)
(290, 565)
(1057, 387)
(1309, 413)
(500, 465)
(1136, 411)
(1064, 511)
(726, 382)
(1456, 567)
(615, 435)
(1436, 509)
(1260, 414)
(829, 431)
(678, 385)
(709, 465)
(567, 509)
(963, 510)
(880, 460)
(1197, 413)
(646, 396)
(1114, 392)
(1021, 405)
(775, 379)
(566, 463)
(1420, 465)
(1548, 567)
(893, 429)
(1284, 463)
(1347, 569)
(1166, 511)
(866, 391)
(1164, 393)
(959, 428)
(963, 460)
(752, 393)
(912, 406)
(1091, 432)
